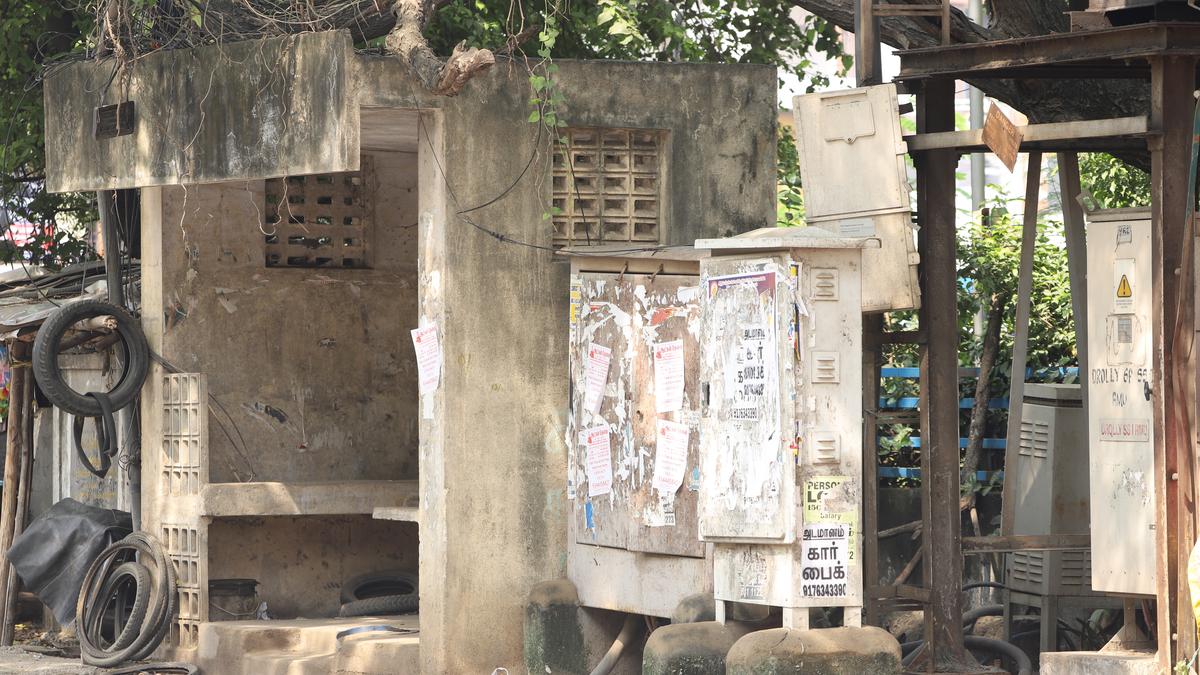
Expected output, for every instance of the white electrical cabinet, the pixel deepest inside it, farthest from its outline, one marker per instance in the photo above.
(1120, 408)
(781, 417)
(852, 163)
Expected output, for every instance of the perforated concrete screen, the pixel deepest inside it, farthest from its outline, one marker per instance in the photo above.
(607, 186)
(320, 220)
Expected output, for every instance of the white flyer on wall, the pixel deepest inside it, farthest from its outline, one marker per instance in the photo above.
(596, 376)
(599, 459)
(668, 376)
(429, 358)
(670, 456)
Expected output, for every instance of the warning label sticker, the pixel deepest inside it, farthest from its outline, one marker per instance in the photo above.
(1123, 278)
(1125, 431)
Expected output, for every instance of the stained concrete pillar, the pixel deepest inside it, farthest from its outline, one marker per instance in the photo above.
(690, 648)
(828, 651)
(553, 632)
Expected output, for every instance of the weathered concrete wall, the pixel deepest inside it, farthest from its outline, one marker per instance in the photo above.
(313, 366)
(301, 563)
(254, 109)
(493, 460)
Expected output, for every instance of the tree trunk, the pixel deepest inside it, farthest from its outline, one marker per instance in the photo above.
(1042, 100)
(987, 360)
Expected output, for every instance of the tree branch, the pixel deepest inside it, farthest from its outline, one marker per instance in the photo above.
(407, 40)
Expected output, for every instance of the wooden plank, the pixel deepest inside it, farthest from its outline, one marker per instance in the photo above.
(1026, 542)
(1070, 188)
(972, 140)
(899, 591)
(1016, 391)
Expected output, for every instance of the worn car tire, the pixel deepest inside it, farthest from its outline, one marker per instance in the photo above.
(377, 584)
(384, 605)
(49, 375)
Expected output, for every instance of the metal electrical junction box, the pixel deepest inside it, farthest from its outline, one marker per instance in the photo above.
(633, 436)
(852, 162)
(781, 417)
(1050, 491)
(1120, 407)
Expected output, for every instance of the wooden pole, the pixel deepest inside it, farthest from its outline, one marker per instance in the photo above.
(22, 515)
(18, 397)
(942, 527)
(1016, 383)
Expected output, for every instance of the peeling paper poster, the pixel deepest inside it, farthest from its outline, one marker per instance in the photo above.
(670, 456)
(599, 460)
(830, 517)
(596, 377)
(668, 376)
(429, 358)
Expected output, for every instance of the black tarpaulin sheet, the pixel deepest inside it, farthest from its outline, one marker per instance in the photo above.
(54, 552)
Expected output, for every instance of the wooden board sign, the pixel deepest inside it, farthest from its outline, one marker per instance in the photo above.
(1002, 136)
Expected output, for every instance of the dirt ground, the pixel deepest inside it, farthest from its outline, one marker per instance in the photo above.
(16, 660)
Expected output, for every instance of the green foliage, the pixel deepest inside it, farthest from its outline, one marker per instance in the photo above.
(989, 251)
(31, 33)
(1113, 183)
(790, 196)
(715, 31)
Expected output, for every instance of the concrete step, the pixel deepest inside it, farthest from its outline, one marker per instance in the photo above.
(308, 647)
(1098, 663)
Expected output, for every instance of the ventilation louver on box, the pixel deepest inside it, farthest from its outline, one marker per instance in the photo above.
(320, 220)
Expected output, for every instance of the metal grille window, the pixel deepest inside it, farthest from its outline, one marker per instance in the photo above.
(321, 220)
(607, 186)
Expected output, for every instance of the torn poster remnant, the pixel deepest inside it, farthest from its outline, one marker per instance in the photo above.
(670, 457)
(596, 377)
(599, 460)
(668, 376)
(429, 358)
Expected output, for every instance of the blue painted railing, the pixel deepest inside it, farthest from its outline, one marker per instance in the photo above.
(911, 403)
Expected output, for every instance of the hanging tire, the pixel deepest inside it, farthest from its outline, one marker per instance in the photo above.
(49, 375)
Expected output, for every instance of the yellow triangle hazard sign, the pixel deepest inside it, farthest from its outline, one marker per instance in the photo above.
(1124, 290)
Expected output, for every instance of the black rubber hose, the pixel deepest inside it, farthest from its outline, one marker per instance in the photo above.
(49, 375)
(969, 618)
(106, 436)
(143, 551)
(982, 644)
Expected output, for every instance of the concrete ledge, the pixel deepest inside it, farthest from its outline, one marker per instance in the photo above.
(336, 498)
(829, 651)
(1098, 663)
(690, 648)
(308, 647)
